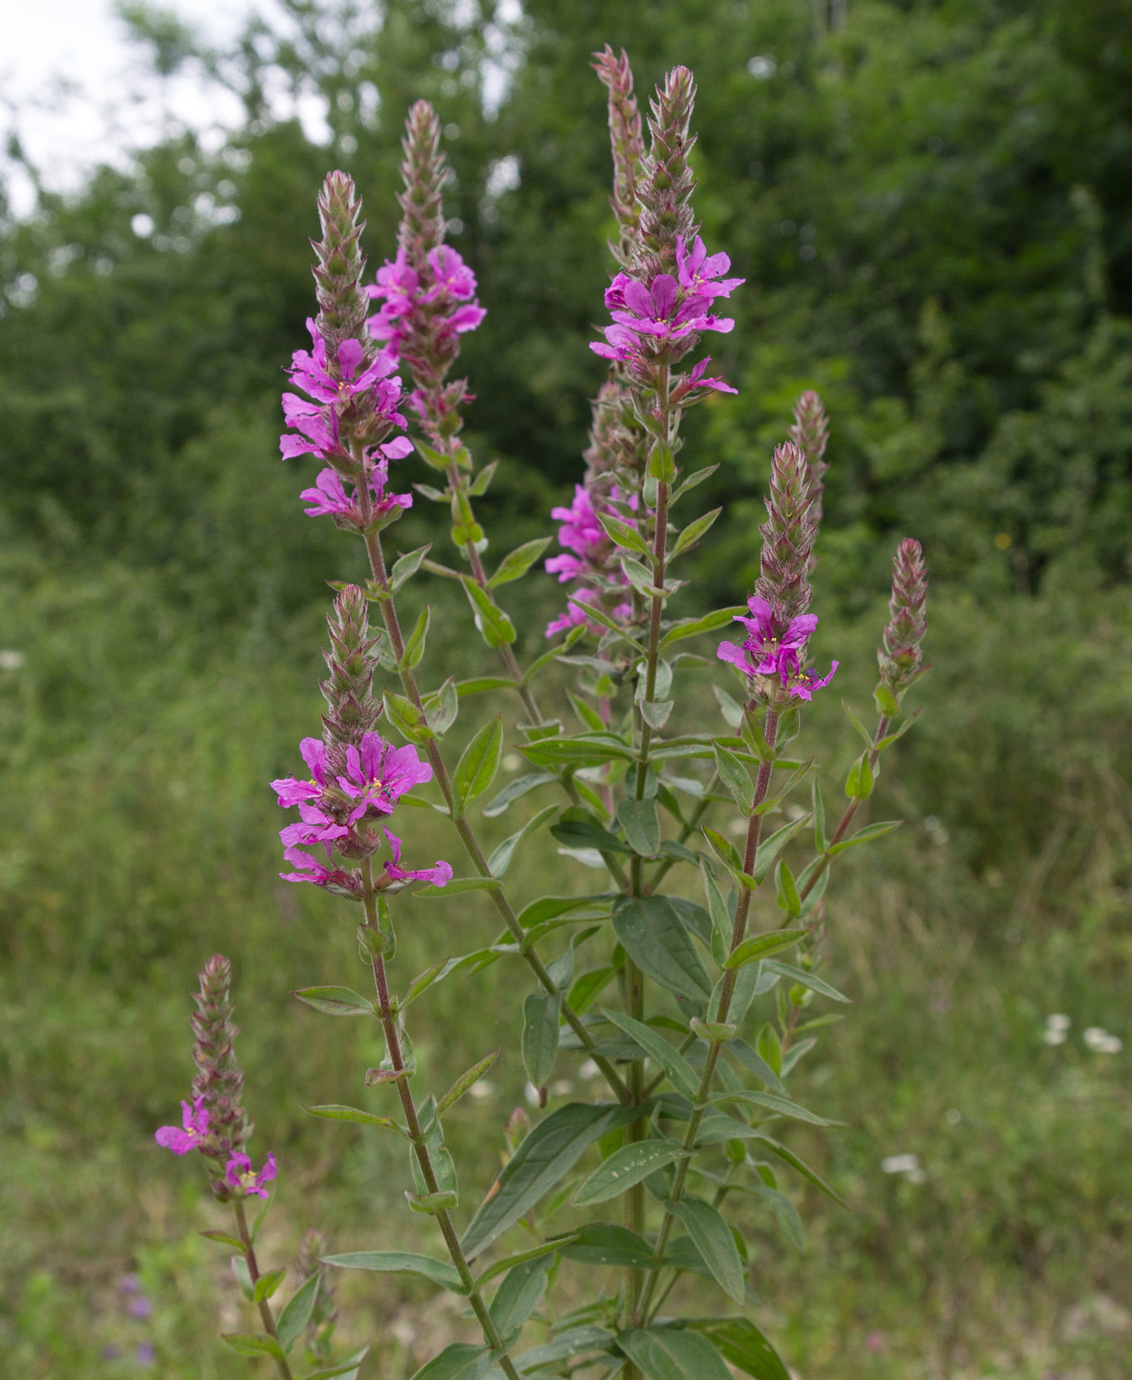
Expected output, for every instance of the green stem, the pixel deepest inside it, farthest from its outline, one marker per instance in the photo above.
(467, 834)
(850, 812)
(727, 991)
(420, 1146)
(265, 1313)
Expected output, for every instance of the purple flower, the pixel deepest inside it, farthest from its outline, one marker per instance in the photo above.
(145, 1354)
(452, 309)
(316, 827)
(309, 370)
(764, 653)
(440, 875)
(329, 492)
(379, 774)
(194, 1120)
(239, 1173)
(292, 791)
(335, 879)
(141, 1307)
(697, 271)
(451, 276)
(575, 613)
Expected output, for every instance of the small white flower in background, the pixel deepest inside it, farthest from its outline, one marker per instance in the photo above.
(908, 1165)
(563, 1088)
(1056, 1027)
(1100, 1041)
(10, 659)
(511, 761)
(588, 1070)
(953, 1116)
(531, 1093)
(481, 1090)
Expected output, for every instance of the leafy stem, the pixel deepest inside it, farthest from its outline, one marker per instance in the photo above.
(265, 1313)
(727, 991)
(417, 1139)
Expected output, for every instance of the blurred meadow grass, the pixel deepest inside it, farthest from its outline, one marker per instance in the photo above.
(139, 837)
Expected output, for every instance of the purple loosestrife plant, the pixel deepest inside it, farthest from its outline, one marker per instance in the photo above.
(693, 1013)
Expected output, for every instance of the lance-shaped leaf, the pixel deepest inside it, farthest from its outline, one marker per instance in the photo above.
(495, 627)
(500, 859)
(623, 535)
(500, 1267)
(346, 1369)
(465, 1081)
(861, 779)
(415, 647)
(458, 1361)
(653, 935)
(579, 750)
(516, 563)
(519, 1294)
(796, 1162)
(601, 1243)
(735, 777)
(626, 1167)
(669, 1353)
(597, 614)
(713, 1239)
(550, 907)
(760, 946)
(540, 1035)
(579, 829)
(544, 1159)
(740, 1342)
(684, 1078)
(691, 627)
(297, 1313)
(253, 1344)
(441, 708)
(694, 531)
(400, 1263)
(573, 1342)
(406, 566)
(478, 764)
(810, 980)
(335, 1001)
(409, 721)
(641, 823)
(336, 1112)
(770, 848)
(782, 1105)
(266, 1285)
(870, 832)
(514, 790)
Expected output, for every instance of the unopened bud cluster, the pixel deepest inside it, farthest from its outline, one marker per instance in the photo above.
(900, 656)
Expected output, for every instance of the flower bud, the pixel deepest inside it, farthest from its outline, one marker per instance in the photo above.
(810, 433)
(423, 172)
(628, 148)
(899, 656)
(342, 302)
(352, 711)
(218, 1081)
(788, 538)
(667, 182)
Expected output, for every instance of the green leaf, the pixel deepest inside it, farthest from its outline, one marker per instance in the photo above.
(656, 712)
(482, 482)
(500, 1267)
(480, 685)
(735, 777)
(441, 708)
(478, 764)
(786, 890)
(465, 1081)
(785, 1213)
(684, 1078)
(623, 535)
(641, 823)
(690, 627)
(578, 829)
(755, 1064)
(544, 1158)
(579, 750)
(713, 1239)
(662, 465)
(861, 779)
(782, 1105)
(693, 532)
(550, 907)
(267, 1284)
(335, 1112)
(514, 789)
(588, 715)
(810, 980)
(540, 1035)
(347, 1368)
(335, 1001)
(724, 850)
(455, 886)
(458, 1361)
(652, 934)
(406, 566)
(223, 1239)
(770, 848)
(759, 946)
(494, 626)
(696, 478)
(821, 841)
(297, 1313)
(669, 1353)
(414, 648)
(500, 859)
(626, 1167)
(603, 1244)
(796, 1162)
(399, 1263)
(871, 831)
(571, 1343)
(243, 1275)
(409, 721)
(252, 1344)
(516, 563)
(519, 1294)
(740, 1342)
(589, 987)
